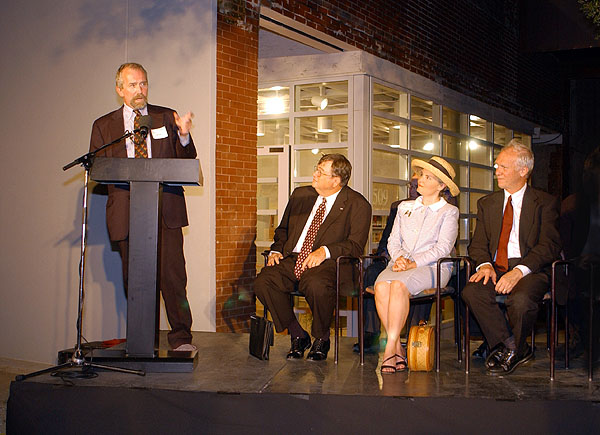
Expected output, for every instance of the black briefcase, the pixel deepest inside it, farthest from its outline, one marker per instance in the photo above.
(261, 337)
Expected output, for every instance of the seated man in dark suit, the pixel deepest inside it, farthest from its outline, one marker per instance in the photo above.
(321, 223)
(515, 242)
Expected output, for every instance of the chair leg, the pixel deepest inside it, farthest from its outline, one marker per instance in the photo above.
(337, 321)
(591, 329)
(548, 314)
(553, 331)
(467, 341)
(361, 326)
(566, 308)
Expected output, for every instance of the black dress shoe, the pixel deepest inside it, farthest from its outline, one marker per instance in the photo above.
(319, 349)
(510, 361)
(371, 343)
(299, 345)
(495, 356)
(482, 351)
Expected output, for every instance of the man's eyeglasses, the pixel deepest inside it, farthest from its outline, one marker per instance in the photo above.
(320, 172)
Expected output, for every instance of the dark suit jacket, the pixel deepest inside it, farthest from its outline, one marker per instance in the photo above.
(344, 231)
(539, 240)
(108, 128)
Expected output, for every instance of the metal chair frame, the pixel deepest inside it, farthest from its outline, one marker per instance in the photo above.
(437, 296)
(296, 292)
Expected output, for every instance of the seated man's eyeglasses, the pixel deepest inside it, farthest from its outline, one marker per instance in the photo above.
(320, 172)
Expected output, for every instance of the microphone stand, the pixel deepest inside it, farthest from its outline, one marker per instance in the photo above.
(78, 358)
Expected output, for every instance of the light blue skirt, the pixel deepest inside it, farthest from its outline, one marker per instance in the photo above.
(418, 279)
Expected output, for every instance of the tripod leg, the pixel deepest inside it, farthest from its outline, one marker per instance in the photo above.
(114, 369)
(48, 370)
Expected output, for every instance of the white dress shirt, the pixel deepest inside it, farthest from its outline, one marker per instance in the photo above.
(329, 200)
(514, 250)
(128, 121)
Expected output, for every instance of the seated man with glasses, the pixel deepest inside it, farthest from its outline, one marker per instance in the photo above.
(321, 223)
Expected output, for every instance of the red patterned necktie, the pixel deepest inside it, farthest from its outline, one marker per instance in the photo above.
(507, 222)
(309, 240)
(139, 141)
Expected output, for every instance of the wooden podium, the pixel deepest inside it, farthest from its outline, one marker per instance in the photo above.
(144, 177)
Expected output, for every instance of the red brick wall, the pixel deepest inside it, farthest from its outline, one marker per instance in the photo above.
(471, 46)
(237, 86)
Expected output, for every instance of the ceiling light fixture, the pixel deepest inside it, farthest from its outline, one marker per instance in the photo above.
(324, 124)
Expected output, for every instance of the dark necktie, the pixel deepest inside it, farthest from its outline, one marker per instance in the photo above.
(139, 141)
(309, 240)
(507, 221)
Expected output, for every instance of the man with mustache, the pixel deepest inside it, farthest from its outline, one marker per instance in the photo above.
(169, 138)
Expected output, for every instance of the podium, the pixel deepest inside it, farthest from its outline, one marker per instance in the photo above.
(144, 177)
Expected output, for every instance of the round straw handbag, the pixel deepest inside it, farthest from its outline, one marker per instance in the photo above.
(421, 347)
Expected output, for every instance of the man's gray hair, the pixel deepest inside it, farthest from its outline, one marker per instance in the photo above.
(524, 154)
(132, 65)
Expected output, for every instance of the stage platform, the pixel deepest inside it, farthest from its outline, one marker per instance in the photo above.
(232, 392)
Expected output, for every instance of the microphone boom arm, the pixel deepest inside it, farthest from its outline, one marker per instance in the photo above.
(87, 159)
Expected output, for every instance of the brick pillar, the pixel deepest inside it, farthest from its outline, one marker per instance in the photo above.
(237, 89)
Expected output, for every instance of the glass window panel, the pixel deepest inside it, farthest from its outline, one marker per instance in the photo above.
(266, 196)
(463, 228)
(496, 152)
(267, 166)
(478, 127)
(424, 111)
(502, 135)
(461, 174)
(454, 121)
(392, 133)
(473, 198)
(524, 138)
(306, 160)
(455, 148)
(304, 183)
(265, 228)
(390, 100)
(379, 223)
(473, 223)
(480, 153)
(321, 96)
(322, 129)
(383, 195)
(273, 100)
(425, 141)
(481, 178)
(463, 202)
(389, 165)
(273, 132)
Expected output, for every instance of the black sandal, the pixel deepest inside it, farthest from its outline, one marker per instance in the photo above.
(387, 366)
(403, 363)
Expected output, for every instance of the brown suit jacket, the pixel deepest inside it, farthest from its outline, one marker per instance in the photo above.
(539, 240)
(344, 231)
(108, 128)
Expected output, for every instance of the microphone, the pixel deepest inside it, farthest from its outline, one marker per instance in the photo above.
(145, 125)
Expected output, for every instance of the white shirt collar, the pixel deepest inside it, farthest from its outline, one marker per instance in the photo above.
(517, 196)
(435, 206)
(128, 111)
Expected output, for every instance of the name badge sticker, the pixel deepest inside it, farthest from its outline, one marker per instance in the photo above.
(159, 133)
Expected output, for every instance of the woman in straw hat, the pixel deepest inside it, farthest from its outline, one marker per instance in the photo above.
(424, 230)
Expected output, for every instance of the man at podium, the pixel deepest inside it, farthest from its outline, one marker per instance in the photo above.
(168, 136)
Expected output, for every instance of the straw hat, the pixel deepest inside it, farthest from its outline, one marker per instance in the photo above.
(441, 169)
